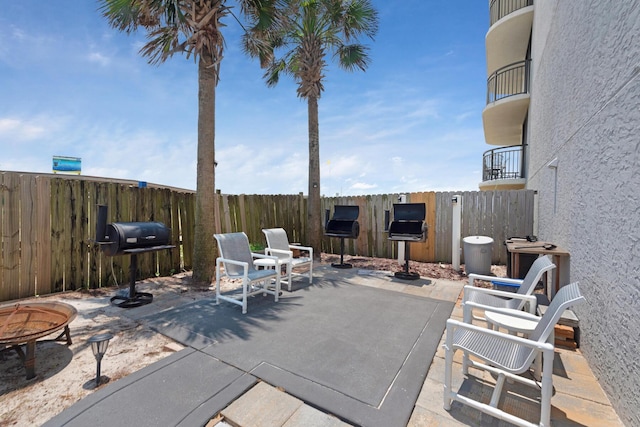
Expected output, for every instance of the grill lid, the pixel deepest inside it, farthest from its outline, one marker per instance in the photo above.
(343, 223)
(408, 222)
(345, 213)
(409, 211)
(125, 236)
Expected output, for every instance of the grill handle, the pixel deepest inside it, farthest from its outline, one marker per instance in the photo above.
(101, 224)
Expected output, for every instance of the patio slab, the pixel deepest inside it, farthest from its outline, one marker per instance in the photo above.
(184, 389)
(358, 352)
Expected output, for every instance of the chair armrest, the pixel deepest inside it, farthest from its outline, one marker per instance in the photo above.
(275, 259)
(302, 248)
(453, 324)
(474, 276)
(531, 299)
(507, 311)
(234, 262)
(279, 251)
(469, 289)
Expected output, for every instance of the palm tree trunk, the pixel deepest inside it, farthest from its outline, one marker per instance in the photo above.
(314, 216)
(204, 252)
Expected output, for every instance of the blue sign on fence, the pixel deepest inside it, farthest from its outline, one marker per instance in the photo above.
(71, 165)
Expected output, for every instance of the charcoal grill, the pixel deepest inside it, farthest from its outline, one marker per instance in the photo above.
(344, 225)
(407, 226)
(131, 238)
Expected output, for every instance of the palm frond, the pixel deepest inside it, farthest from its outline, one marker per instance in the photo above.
(163, 42)
(360, 18)
(124, 15)
(353, 56)
(301, 32)
(272, 74)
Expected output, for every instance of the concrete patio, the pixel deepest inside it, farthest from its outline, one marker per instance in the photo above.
(579, 399)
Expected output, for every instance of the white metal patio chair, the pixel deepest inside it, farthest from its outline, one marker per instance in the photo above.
(507, 356)
(237, 259)
(513, 300)
(278, 245)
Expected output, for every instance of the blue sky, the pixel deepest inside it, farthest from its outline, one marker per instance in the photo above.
(70, 85)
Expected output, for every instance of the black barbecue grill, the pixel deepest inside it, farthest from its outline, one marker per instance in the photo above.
(131, 238)
(407, 226)
(344, 225)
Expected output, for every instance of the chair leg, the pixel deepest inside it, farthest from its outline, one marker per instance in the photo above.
(497, 390)
(448, 367)
(547, 388)
(244, 297)
(217, 283)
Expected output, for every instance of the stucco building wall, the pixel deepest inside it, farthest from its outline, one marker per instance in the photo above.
(585, 112)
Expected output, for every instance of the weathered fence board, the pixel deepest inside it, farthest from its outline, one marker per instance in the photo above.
(43, 238)
(28, 229)
(11, 236)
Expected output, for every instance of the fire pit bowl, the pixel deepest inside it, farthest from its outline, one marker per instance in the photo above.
(27, 322)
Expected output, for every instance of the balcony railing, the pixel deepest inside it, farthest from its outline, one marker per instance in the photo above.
(498, 9)
(502, 163)
(512, 79)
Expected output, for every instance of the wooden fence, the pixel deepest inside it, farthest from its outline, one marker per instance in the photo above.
(497, 214)
(48, 226)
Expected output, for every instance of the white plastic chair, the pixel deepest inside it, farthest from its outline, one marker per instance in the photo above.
(513, 300)
(278, 245)
(507, 356)
(237, 259)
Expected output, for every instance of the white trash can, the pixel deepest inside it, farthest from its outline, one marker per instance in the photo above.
(477, 254)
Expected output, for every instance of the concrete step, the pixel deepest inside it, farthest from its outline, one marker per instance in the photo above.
(266, 406)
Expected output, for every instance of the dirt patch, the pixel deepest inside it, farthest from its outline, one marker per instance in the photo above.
(425, 269)
(66, 374)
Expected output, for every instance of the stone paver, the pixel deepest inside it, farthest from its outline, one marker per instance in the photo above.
(578, 401)
(263, 406)
(306, 416)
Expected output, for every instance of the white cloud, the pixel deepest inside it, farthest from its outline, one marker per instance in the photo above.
(99, 58)
(362, 186)
(17, 129)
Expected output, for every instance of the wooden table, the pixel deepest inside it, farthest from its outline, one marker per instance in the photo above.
(560, 258)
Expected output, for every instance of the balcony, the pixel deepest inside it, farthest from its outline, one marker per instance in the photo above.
(503, 168)
(498, 9)
(507, 104)
(510, 80)
(507, 40)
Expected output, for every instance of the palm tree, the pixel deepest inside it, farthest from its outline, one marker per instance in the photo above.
(192, 27)
(305, 31)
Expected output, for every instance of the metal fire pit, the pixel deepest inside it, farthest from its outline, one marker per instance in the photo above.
(344, 225)
(25, 323)
(407, 226)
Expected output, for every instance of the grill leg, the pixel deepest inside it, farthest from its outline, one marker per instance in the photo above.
(341, 264)
(406, 275)
(135, 299)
